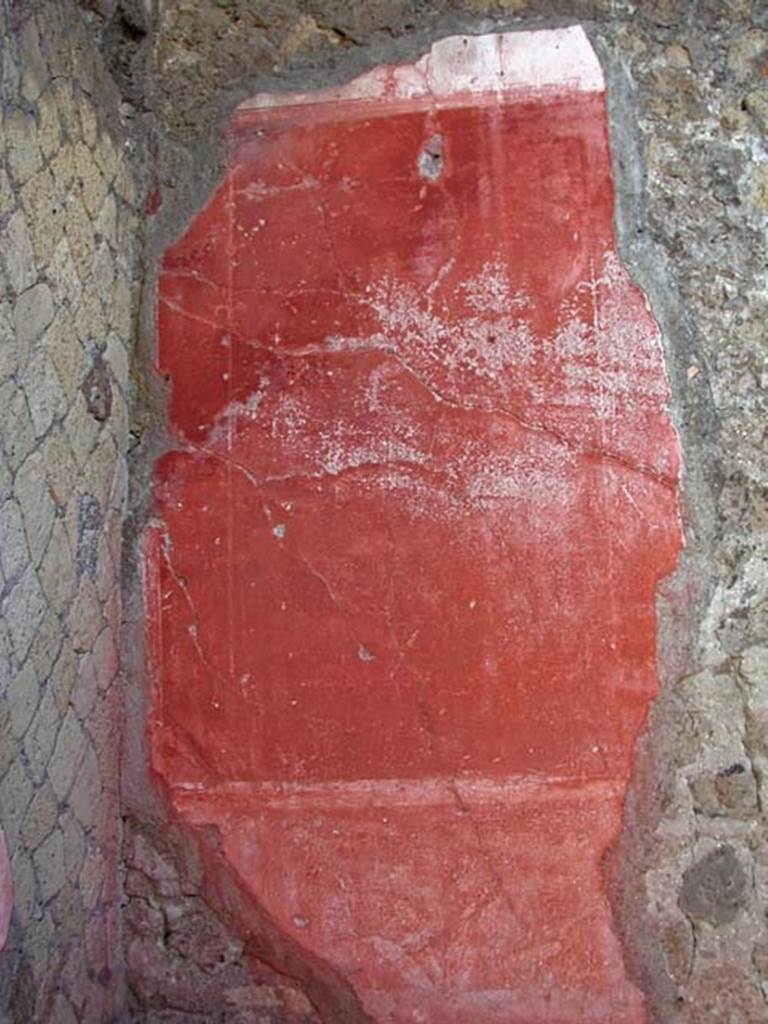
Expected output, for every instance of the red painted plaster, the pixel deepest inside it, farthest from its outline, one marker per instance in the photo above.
(402, 575)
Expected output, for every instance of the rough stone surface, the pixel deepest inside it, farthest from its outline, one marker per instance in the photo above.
(64, 169)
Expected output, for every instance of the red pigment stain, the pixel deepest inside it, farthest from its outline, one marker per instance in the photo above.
(402, 575)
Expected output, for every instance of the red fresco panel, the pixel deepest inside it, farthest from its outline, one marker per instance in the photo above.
(402, 572)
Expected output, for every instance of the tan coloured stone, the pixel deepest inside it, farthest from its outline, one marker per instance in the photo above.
(15, 796)
(85, 797)
(34, 70)
(85, 619)
(67, 755)
(105, 224)
(16, 253)
(57, 571)
(23, 609)
(9, 351)
(37, 506)
(117, 359)
(45, 395)
(14, 551)
(6, 480)
(88, 120)
(99, 471)
(747, 55)
(60, 466)
(80, 235)
(62, 1010)
(15, 424)
(63, 93)
(81, 430)
(22, 697)
(93, 185)
(48, 861)
(46, 644)
(24, 889)
(103, 274)
(63, 277)
(90, 320)
(63, 168)
(46, 211)
(62, 343)
(40, 738)
(63, 677)
(32, 314)
(7, 198)
(74, 843)
(24, 156)
(122, 311)
(49, 125)
(40, 817)
(86, 688)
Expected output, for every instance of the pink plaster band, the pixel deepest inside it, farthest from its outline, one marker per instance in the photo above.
(6, 892)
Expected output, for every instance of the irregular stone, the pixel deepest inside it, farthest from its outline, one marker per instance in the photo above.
(32, 314)
(14, 553)
(38, 509)
(63, 678)
(15, 424)
(105, 224)
(74, 844)
(7, 198)
(86, 796)
(63, 345)
(93, 186)
(63, 278)
(57, 571)
(45, 395)
(754, 668)
(16, 252)
(81, 431)
(60, 466)
(715, 887)
(24, 156)
(24, 608)
(34, 69)
(9, 351)
(40, 817)
(47, 643)
(15, 795)
(49, 126)
(79, 235)
(21, 698)
(50, 870)
(46, 210)
(66, 756)
(25, 899)
(40, 739)
(747, 56)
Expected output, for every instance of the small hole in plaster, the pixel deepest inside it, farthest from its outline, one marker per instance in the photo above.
(431, 158)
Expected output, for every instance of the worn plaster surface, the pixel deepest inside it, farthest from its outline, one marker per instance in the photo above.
(401, 570)
(686, 94)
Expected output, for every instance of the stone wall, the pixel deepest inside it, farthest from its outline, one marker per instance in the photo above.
(688, 108)
(68, 248)
(689, 120)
